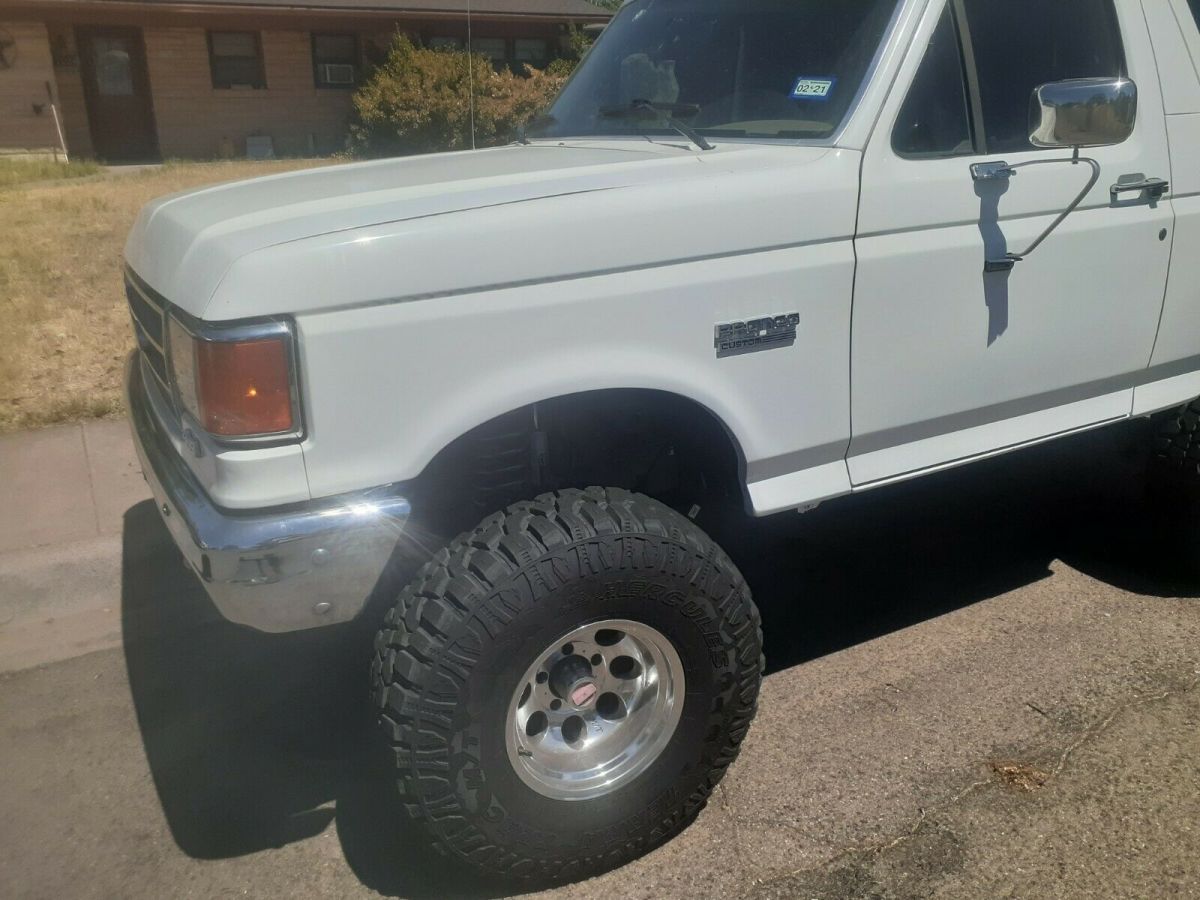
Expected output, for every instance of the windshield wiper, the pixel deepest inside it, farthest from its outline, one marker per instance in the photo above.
(667, 111)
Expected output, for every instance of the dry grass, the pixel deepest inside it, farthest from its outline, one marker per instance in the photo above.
(64, 328)
(23, 171)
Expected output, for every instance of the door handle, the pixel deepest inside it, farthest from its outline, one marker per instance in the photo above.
(1154, 188)
(992, 171)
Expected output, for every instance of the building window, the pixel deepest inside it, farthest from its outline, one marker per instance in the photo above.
(236, 59)
(534, 51)
(445, 43)
(376, 47)
(495, 49)
(335, 60)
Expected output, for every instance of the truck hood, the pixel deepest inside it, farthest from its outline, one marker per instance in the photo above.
(230, 251)
(183, 244)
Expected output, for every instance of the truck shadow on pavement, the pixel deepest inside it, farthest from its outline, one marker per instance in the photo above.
(258, 741)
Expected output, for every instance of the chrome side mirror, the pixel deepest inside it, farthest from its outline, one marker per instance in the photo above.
(1082, 112)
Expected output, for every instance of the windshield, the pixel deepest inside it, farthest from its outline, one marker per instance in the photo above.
(728, 68)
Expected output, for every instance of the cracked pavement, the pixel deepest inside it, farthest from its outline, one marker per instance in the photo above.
(982, 684)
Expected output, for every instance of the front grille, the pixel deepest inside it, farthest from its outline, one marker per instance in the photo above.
(148, 312)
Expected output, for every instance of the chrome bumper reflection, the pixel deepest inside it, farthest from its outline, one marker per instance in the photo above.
(299, 567)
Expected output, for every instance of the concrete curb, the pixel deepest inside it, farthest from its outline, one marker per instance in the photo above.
(59, 602)
(67, 483)
(64, 492)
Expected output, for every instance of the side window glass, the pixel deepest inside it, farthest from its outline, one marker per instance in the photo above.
(935, 119)
(1020, 44)
(1195, 5)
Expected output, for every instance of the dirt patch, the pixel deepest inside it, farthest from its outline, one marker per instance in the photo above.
(851, 881)
(910, 868)
(1019, 776)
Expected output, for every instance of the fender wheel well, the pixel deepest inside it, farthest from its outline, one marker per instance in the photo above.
(653, 442)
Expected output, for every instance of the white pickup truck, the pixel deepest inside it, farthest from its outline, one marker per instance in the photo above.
(758, 255)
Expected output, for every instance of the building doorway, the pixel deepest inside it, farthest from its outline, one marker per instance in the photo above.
(117, 89)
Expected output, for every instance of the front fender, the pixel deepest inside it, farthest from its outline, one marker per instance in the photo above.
(389, 386)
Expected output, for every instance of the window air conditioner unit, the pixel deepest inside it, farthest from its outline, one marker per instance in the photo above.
(337, 73)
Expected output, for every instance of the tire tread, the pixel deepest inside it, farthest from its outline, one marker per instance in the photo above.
(415, 677)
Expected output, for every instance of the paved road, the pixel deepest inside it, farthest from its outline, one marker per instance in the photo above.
(983, 685)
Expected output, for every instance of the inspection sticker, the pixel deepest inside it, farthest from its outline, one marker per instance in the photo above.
(813, 88)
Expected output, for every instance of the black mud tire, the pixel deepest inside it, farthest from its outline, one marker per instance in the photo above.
(462, 634)
(1172, 493)
(1175, 460)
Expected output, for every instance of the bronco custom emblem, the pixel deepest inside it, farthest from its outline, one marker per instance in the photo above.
(733, 338)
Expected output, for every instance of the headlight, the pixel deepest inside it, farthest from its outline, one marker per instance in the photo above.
(182, 353)
(235, 383)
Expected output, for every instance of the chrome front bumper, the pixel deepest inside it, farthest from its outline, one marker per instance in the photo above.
(297, 567)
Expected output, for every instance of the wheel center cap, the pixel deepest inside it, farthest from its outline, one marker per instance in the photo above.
(583, 694)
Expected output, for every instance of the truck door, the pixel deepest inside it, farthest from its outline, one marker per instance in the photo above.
(1175, 367)
(950, 361)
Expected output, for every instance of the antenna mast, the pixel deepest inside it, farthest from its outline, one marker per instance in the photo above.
(471, 73)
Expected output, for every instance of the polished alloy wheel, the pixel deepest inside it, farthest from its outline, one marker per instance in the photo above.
(595, 709)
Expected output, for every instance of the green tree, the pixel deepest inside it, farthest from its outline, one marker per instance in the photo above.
(418, 100)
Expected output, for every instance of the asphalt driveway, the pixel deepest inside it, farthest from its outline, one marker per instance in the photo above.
(981, 685)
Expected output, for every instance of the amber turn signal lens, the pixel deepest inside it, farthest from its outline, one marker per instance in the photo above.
(244, 387)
